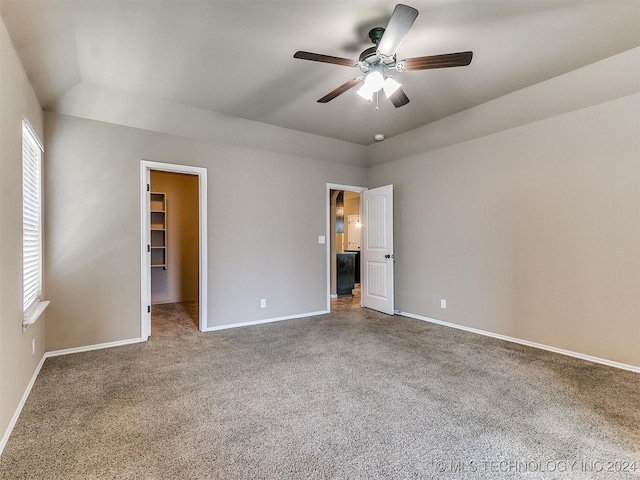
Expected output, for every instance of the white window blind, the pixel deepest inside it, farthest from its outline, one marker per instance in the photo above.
(31, 219)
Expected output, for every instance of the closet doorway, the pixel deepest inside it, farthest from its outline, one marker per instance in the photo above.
(173, 249)
(174, 253)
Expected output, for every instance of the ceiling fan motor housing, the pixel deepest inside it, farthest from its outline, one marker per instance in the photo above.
(370, 60)
(370, 57)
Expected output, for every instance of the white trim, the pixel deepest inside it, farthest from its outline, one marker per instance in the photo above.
(145, 268)
(335, 186)
(267, 320)
(145, 260)
(33, 314)
(97, 346)
(562, 351)
(23, 400)
(32, 131)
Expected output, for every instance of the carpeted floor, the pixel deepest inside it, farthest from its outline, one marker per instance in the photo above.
(352, 394)
(174, 319)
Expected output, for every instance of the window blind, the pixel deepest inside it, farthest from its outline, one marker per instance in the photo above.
(31, 218)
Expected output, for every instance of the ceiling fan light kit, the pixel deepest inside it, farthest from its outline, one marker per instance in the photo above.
(374, 82)
(365, 93)
(390, 86)
(376, 62)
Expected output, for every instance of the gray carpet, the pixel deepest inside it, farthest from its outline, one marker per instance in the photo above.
(353, 394)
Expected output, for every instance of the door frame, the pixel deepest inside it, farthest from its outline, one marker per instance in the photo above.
(145, 257)
(335, 186)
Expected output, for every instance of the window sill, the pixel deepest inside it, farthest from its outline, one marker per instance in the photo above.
(34, 314)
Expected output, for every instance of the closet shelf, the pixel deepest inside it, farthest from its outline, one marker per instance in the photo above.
(158, 227)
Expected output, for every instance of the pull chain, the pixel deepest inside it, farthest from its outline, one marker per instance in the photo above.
(377, 100)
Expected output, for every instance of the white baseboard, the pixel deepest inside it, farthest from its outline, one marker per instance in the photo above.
(25, 395)
(333, 295)
(87, 348)
(267, 320)
(541, 346)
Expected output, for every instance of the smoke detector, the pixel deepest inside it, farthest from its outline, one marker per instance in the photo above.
(378, 137)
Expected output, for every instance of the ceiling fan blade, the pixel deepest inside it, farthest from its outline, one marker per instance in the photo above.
(340, 90)
(460, 59)
(317, 57)
(399, 24)
(399, 98)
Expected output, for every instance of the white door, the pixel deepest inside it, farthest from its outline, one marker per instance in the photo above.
(354, 233)
(377, 249)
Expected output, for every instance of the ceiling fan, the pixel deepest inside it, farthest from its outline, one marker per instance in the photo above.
(377, 62)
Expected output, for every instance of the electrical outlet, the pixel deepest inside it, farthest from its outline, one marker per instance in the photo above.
(443, 303)
(33, 346)
(263, 303)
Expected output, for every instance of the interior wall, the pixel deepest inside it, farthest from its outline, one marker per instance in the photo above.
(179, 282)
(17, 363)
(93, 232)
(532, 232)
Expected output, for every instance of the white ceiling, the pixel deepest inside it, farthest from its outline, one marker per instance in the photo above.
(236, 57)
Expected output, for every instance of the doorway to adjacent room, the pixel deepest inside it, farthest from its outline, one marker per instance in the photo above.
(372, 256)
(343, 247)
(173, 248)
(174, 253)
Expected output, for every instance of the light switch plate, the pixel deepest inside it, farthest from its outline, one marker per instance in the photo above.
(321, 239)
(443, 303)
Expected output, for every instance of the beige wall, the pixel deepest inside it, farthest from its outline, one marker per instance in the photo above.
(17, 364)
(179, 282)
(93, 232)
(532, 232)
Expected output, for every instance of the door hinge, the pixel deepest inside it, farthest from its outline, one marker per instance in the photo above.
(148, 308)
(148, 248)
(148, 187)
